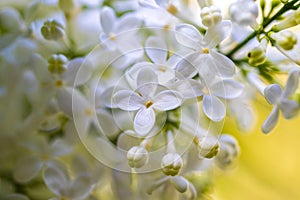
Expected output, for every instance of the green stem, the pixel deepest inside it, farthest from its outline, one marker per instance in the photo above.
(265, 23)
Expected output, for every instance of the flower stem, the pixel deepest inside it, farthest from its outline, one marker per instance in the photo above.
(266, 22)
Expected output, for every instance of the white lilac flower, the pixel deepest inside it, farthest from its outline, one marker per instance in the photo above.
(275, 96)
(244, 12)
(180, 183)
(204, 59)
(43, 154)
(145, 100)
(59, 183)
(214, 91)
(184, 10)
(157, 50)
(119, 33)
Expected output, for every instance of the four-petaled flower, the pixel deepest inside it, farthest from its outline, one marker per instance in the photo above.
(145, 99)
(278, 98)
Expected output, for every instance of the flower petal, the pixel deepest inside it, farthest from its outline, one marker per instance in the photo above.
(187, 67)
(60, 148)
(271, 121)
(107, 124)
(156, 49)
(289, 108)
(188, 36)
(71, 101)
(223, 66)
(107, 19)
(81, 187)
(132, 73)
(167, 100)
(189, 88)
(227, 89)
(27, 168)
(292, 82)
(147, 82)
(213, 108)
(55, 180)
(78, 72)
(216, 34)
(162, 3)
(129, 21)
(127, 100)
(273, 93)
(144, 121)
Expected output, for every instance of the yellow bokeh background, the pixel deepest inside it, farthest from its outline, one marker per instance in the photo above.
(268, 167)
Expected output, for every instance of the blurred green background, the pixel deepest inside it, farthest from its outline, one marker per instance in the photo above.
(269, 165)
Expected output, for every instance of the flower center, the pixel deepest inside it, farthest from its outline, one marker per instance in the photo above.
(167, 27)
(112, 37)
(162, 69)
(172, 9)
(205, 50)
(59, 83)
(148, 104)
(88, 112)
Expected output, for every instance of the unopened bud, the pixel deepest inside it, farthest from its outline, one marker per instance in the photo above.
(204, 3)
(171, 164)
(229, 150)
(286, 40)
(52, 30)
(290, 21)
(208, 147)
(211, 16)
(137, 157)
(244, 12)
(180, 183)
(57, 64)
(257, 56)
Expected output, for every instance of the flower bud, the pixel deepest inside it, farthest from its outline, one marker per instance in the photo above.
(137, 157)
(57, 64)
(257, 56)
(290, 21)
(229, 150)
(180, 183)
(171, 164)
(208, 147)
(244, 12)
(286, 40)
(52, 30)
(211, 16)
(53, 123)
(204, 3)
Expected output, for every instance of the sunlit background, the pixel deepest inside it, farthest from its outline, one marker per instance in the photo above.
(268, 166)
